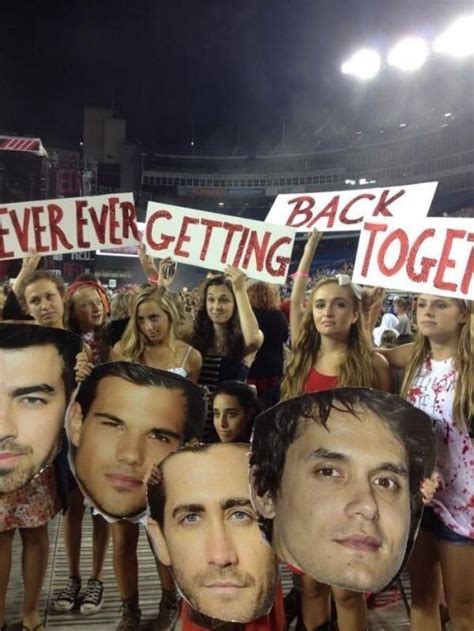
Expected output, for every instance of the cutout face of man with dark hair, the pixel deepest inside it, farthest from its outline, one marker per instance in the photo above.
(128, 428)
(342, 512)
(210, 535)
(32, 408)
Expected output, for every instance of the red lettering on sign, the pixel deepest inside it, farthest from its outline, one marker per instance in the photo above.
(231, 228)
(445, 261)
(240, 248)
(100, 224)
(401, 236)
(283, 261)
(381, 208)
(36, 211)
(129, 220)
(468, 274)
(329, 211)
(256, 248)
(426, 263)
(343, 217)
(373, 228)
(80, 222)
(166, 239)
(21, 230)
(183, 237)
(113, 223)
(210, 225)
(55, 214)
(303, 206)
(3, 231)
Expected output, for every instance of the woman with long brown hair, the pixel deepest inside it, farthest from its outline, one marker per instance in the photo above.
(226, 333)
(329, 348)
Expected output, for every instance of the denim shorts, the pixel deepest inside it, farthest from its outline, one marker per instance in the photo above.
(431, 522)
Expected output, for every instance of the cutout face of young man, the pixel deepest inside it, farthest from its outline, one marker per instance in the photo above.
(32, 408)
(211, 537)
(127, 429)
(342, 514)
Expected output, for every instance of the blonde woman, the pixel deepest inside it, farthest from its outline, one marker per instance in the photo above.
(330, 348)
(438, 380)
(152, 338)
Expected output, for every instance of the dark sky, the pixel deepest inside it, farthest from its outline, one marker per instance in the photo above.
(212, 66)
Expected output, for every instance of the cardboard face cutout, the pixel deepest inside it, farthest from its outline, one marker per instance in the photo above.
(36, 381)
(337, 476)
(126, 418)
(202, 524)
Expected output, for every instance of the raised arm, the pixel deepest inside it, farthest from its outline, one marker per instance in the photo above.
(28, 266)
(253, 337)
(399, 356)
(300, 281)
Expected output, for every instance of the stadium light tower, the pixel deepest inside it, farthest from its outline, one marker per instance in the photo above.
(409, 54)
(458, 39)
(364, 64)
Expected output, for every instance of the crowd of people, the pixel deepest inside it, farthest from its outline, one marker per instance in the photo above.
(250, 346)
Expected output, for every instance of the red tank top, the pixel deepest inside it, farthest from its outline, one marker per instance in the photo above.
(316, 381)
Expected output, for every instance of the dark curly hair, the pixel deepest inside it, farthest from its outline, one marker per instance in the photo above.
(277, 428)
(203, 334)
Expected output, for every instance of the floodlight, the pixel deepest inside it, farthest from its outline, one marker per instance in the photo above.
(409, 54)
(457, 40)
(364, 64)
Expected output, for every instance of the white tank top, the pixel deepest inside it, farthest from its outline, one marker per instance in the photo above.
(433, 392)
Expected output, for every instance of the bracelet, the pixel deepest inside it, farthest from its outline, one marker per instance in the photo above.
(298, 274)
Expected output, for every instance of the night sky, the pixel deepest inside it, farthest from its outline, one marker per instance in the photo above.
(206, 70)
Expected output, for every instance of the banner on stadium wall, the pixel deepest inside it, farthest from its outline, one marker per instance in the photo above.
(61, 226)
(433, 256)
(212, 241)
(347, 210)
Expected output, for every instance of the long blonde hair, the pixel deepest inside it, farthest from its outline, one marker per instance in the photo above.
(357, 368)
(133, 342)
(463, 406)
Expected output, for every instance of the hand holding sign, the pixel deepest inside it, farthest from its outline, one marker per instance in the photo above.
(236, 277)
(147, 262)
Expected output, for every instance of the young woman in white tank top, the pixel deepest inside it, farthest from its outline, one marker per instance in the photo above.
(151, 336)
(438, 380)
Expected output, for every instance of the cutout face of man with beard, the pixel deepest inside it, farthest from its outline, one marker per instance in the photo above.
(210, 536)
(35, 383)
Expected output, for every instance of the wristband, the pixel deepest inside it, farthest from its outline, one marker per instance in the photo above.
(298, 274)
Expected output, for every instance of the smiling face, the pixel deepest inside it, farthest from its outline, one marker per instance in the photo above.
(333, 310)
(88, 308)
(153, 322)
(213, 542)
(439, 318)
(128, 428)
(44, 303)
(32, 407)
(220, 304)
(347, 486)
(230, 419)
